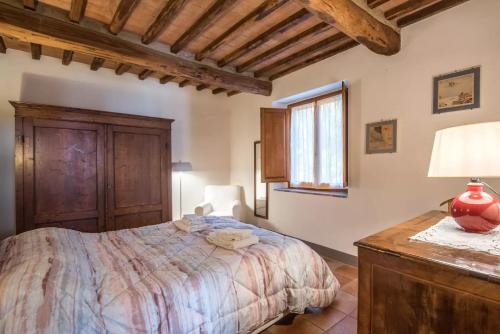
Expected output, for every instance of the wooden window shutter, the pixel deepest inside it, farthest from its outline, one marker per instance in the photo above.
(275, 144)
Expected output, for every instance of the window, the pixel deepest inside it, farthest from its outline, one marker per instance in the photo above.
(318, 138)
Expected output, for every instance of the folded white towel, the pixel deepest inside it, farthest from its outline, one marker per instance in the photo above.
(232, 245)
(193, 219)
(186, 227)
(233, 234)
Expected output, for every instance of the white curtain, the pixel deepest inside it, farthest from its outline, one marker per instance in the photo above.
(302, 144)
(330, 128)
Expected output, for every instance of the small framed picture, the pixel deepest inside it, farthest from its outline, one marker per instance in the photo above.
(457, 91)
(381, 137)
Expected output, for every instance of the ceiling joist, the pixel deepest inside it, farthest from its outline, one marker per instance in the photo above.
(36, 51)
(34, 27)
(164, 18)
(358, 21)
(281, 27)
(97, 63)
(77, 10)
(259, 13)
(3, 48)
(123, 11)
(122, 68)
(206, 19)
(67, 57)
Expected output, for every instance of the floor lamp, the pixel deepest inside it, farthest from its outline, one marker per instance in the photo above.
(181, 167)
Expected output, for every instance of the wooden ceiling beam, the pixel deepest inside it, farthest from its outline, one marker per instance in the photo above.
(30, 4)
(279, 28)
(67, 57)
(145, 74)
(327, 54)
(123, 11)
(291, 42)
(428, 11)
(166, 78)
(97, 63)
(302, 54)
(34, 27)
(218, 91)
(406, 8)
(3, 48)
(122, 68)
(36, 51)
(208, 18)
(361, 23)
(201, 87)
(376, 3)
(164, 18)
(232, 93)
(77, 10)
(259, 13)
(184, 83)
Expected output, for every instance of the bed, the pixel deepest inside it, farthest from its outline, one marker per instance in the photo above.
(155, 279)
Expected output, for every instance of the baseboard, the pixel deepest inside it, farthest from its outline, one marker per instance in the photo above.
(333, 254)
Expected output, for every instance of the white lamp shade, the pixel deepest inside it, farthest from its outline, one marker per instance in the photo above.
(467, 151)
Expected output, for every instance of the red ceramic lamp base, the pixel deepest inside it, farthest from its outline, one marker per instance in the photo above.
(475, 210)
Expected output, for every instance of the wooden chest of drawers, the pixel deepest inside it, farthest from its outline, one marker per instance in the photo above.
(416, 287)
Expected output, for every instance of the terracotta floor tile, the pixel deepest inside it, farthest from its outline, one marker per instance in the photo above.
(325, 320)
(354, 313)
(298, 327)
(351, 288)
(347, 271)
(345, 302)
(347, 326)
(343, 280)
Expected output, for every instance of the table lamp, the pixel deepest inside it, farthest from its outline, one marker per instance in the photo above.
(471, 151)
(181, 167)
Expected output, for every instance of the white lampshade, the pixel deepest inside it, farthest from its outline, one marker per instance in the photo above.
(467, 151)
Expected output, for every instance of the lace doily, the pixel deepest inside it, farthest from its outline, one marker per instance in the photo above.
(448, 233)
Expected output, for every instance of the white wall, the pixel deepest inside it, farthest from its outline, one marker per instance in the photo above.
(200, 133)
(385, 189)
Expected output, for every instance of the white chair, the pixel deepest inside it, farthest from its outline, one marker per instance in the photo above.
(222, 201)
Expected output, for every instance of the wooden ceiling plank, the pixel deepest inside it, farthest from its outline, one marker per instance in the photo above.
(318, 28)
(201, 87)
(406, 8)
(36, 51)
(302, 54)
(77, 10)
(357, 20)
(218, 91)
(428, 11)
(259, 13)
(67, 57)
(97, 63)
(145, 74)
(208, 18)
(315, 59)
(30, 4)
(30, 26)
(376, 3)
(164, 18)
(3, 48)
(280, 27)
(122, 14)
(166, 78)
(122, 68)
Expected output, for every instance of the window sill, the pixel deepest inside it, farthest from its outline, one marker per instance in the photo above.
(342, 193)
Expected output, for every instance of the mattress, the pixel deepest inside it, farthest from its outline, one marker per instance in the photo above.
(155, 279)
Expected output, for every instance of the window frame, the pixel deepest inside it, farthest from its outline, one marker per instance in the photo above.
(319, 188)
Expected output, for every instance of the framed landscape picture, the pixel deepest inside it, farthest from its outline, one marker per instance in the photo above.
(381, 137)
(457, 91)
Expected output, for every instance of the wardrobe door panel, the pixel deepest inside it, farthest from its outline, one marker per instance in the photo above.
(63, 175)
(138, 162)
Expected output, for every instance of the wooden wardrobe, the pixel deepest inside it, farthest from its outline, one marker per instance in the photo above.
(89, 170)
